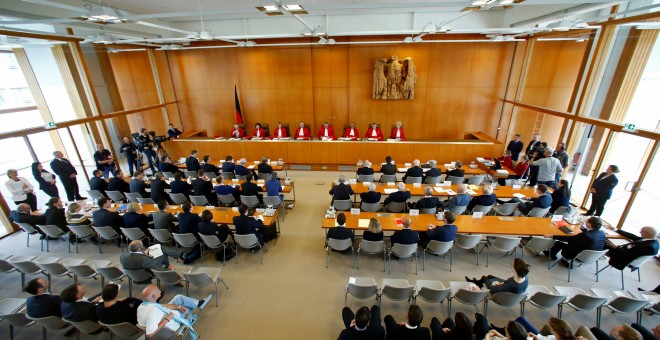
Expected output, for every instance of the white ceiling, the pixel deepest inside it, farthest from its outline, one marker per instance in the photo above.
(233, 20)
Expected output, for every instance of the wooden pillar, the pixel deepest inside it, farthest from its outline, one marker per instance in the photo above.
(524, 69)
(159, 89)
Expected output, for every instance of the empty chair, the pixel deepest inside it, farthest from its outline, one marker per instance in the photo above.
(10, 313)
(361, 288)
(124, 330)
(106, 233)
(161, 235)
(191, 174)
(459, 209)
(427, 210)
(431, 291)
(50, 323)
(538, 212)
(113, 274)
(52, 231)
(211, 175)
(86, 271)
(340, 205)
(387, 178)
(168, 277)
(625, 305)
(227, 175)
(503, 244)
(402, 251)
(454, 180)
(139, 276)
(187, 240)
(248, 242)
(133, 197)
(465, 296)
(28, 229)
(30, 268)
(505, 299)
(586, 257)
(433, 180)
(396, 207)
(95, 195)
(203, 277)
(250, 201)
(339, 245)
(475, 180)
(370, 207)
(116, 196)
(168, 175)
(241, 177)
(580, 300)
(365, 178)
(80, 232)
(145, 200)
(178, 198)
(133, 234)
(227, 200)
(411, 180)
(199, 200)
(506, 209)
(564, 211)
(85, 327)
(59, 269)
(636, 263)
(396, 290)
(437, 248)
(468, 242)
(213, 242)
(484, 209)
(541, 297)
(538, 245)
(371, 247)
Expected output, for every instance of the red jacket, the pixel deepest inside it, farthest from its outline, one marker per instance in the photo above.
(379, 134)
(520, 169)
(331, 132)
(275, 133)
(356, 134)
(262, 133)
(241, 133)
(305, 131)
(393, 134)
(506, 161)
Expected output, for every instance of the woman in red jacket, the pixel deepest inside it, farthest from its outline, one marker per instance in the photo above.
(259, 132)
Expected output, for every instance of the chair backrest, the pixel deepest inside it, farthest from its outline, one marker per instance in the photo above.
(247, 241)
(638, 262)
(562, 211)
(468, 241)
(6, 267)
(186, 240)
(476, 179)
(211, 241)
(27, 228)
(362, 288)
(178, 198)
(115, 196)
(397, 290)
(168, 277)
(454, 180)
(469, 297)
(111, 273)
(27, 267)
(123, 330)
(191, 174)
(507, 209)
(624, 304)
(145, 200)
(50, 322)
(133, 197)
(427, 210)
(370, 207)
(387, 178)
(264, 176)
(133, 233)
(539, 244)
(227, 175)
(198, 279)
(55, 268)
(404, 250)
(438, 247)
(199, 200)
(211, 175)
(431, 290)
(410, 180)
(168, 175)
(586, 302)
(372, 247)
(17, 319)
(83, 271)
(546, 300)
(365, 178)
(507, 299)
(395, 207)
(275, 201)
(95, 194)
(86, 326)
(226, 199)
(51, 230)
(433, 180)
(459, 209)
(482, 208)
(138, 275)
(241, 177)
(82, 231)
(340, 244)
(590, 256)
(342, 205)
(161, 235)
(505, 244)
(250, 201)
(538, 212)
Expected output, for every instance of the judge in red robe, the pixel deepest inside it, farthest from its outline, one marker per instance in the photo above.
(374, 132)
(279, 132)
(326, 131)
(397, 132)
(259, 132)
(237, 132)
(351, 132)
(302, 132)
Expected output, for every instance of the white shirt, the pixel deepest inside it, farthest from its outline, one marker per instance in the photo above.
(301, 132)
(398, 133)
(351, 133)
(16, 188)
(236, 132)
(325, 134)
(258, 133)
(149, 316)
(373, 133)
(279, 133)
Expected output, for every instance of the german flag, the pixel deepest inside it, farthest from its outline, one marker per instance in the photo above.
(239, 115)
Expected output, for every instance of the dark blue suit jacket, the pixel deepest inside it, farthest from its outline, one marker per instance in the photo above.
(484, 200)
(365, 171)
(158, 187)
(63, 168)
(404, 236)
(543, 201)
(41, 306)
(189, 223)
(118, 184)
(586, 240)
(414, 171)
(138, 186)
(180, 187)
(168, 167)
(460, 200)
(98, 183)
(228, 167)
(137, 220)
(604, 186)
(241, 170)
(340, 233)
(246, 225)
(341, 192)
(204, 188)
(559, 200)
(106, 218)
(79, 311)
(370, 197)
(192, 164)
(433, 172)
(398, 196)
(427, 202)
(443, 233)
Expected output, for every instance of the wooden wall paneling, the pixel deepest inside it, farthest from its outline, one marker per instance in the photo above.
(323, 66)
(472, 151)
(569, 59)
(230, 148)
(323, 103)
(257, 68)
(206, 148)
(443, 154)
(293, 106)
(482, 110)
(361, 64)
(543, 64)
(400, 153)
(339, 108)
(448, 66)
(324, 153)
(275, 150)
(348, 152)
(374, 150)
(300, 152)
(178, 149)
(120, 65)
(410, 113)
(252, 150)
(443, 126)
(293, 67)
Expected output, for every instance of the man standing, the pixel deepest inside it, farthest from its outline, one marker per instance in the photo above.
(145, 145)
(534, 145)
(547, 168)
(173, 132)
(130, 151)
(515, 146)
(563, 158)
(154, 317)
(104, 161)
(67, 174)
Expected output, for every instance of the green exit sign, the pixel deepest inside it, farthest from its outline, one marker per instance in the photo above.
(50, 125)
(629, 127)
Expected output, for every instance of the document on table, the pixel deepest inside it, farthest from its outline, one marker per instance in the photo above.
(473, 187)
(402, 169)
(451, 192)
(250, 167)
(440, 190)
(389, 190)
(518, 195)
(502, 171)
(363, 223)
(471, 192)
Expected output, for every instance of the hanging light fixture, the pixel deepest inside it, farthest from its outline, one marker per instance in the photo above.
(202, 34)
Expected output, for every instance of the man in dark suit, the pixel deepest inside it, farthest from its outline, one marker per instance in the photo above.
(138, 185)
(55, 215)
(411, 330)
(117, 182)
(42, 304)
(621, 256)
(370, 196)
(388, 168)
(365, 169)
(202, 186)
(158, 186)
(241, 169)
(515, 146)
(228, 165)
(405, 235)
(444, 233)
(264, 167)
(173, 132)
(534, 145)
(138, 258)
(76, 308)
(401, 196)
(246, 225)
(457, 171)
(22, 215)
(601, 190)
(543, 201)
(180, 186)
(462, 199)
(97, 182)
(487, 198)
(340, 232)
(591, 238)
(414, 171)
(433, 170)
(192, 164)
(188, 222)
(67, 174)
(341, 191)
(428, 201)
(167, 166)
(208, 166)
(365, 324)
(249, 188)
(105, 218)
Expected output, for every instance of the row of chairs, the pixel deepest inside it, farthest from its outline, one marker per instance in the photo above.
(475, 180)
(434, 291)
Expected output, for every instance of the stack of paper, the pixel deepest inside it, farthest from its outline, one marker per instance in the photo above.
(402, 169)
(502, 171)
(363, 223)
(451, 192)
(473, 187)
(480, 159)
(471, 192)
(250, 166)
(389, 190)
(518, 195)
(439, 189)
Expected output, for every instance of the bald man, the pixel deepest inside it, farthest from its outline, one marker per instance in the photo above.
(153, 316)
(414, 171)
(621, 256)
(405, 235)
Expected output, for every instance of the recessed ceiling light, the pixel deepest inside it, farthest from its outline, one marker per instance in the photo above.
(293, 7)
(271, 8)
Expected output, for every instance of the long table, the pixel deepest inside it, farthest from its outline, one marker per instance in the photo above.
(250, 165)
(500, 191)
(291, 188)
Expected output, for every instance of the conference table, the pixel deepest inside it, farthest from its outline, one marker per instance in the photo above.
(468, 170)
(504, 173)
(252, 165)
(290, 188)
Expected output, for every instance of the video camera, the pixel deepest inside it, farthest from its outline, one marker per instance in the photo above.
(157, 139)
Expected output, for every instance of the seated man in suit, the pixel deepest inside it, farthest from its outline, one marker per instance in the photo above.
(264, 167)
(22, 215)
(543, 201)
(137, 184)
(164, 219)
(117, 182)
(462, 199)
(412, 329)
(414, 171)
(457, 171)
(340, 232)
(167, 166)
(326, 132)
(158, 186)
(246, 225)
(487, 198)
(228, 165)
(389, 168)
(202, 186)
(237, 132)
(173, 132)
(274, 187)
(138, 258)
(106, 218)
(365, 169)
(42, 304)
(180, 186)
(444, 233)
(302, 132)
(76, 308)
(365, 324)
(97, 182)
(621, 256)
(134, 218)
(341, 191)
(428, 201)
(433, 170)
(591, 238)
(370, 196)
(401, 195)
(249, 188)
(405, 235)
(114, 310)
(242, 170)
(227, 189)
(374, 132)
(280, 132)
(192, 164)
(351, 132)
(208, 165)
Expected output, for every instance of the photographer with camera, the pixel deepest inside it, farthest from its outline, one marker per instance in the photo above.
(130, 151)
(145, 146)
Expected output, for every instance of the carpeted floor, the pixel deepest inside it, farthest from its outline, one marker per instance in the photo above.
(293, 296)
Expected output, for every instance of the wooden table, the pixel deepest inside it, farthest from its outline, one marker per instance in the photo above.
(468, 171)
(250, 165)
(194, 133)
(291, 188)
(500, 191)
(494, 173)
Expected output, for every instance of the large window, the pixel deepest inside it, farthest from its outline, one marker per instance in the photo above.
(14, 90)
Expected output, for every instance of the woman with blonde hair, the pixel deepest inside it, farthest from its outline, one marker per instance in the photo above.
(74, 216)
(375, 232)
